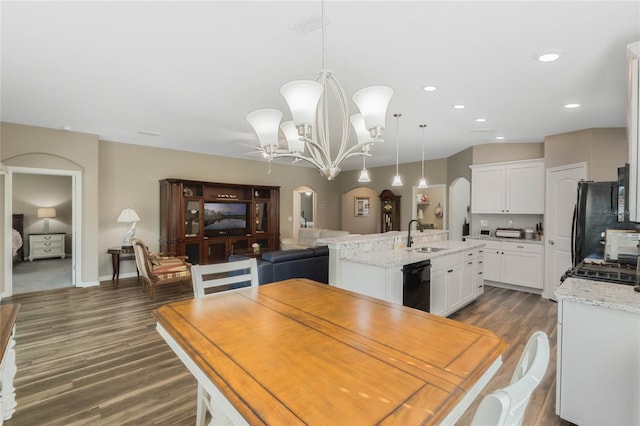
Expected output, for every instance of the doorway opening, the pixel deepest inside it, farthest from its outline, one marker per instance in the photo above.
(50, 201)
(305, 210)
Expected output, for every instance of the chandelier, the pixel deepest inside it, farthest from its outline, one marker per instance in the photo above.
(307, 135)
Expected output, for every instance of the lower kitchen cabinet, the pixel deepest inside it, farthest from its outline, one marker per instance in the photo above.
(513, 262)
(598, 369)
(454, 282)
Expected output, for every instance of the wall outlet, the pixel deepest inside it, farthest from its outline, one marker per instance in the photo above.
(289, 219)
(484, 222)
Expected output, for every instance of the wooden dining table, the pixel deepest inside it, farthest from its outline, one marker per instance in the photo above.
(301, 352)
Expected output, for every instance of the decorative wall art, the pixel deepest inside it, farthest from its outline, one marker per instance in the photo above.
(362, 206)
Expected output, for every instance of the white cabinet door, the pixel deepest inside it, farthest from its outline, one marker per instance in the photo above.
(598, 367)
(468, 280)
(515, 187)
(454, 288)
(521, 268)
(438, 291)
(492, 264)
(487, 189)
(525, 188)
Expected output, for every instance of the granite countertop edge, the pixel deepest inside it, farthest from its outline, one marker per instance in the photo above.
(618, 297)
(404, 256)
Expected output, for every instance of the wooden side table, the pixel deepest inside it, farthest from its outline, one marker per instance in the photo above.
(117, 254)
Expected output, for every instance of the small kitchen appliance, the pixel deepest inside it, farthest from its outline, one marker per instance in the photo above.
(509, 232)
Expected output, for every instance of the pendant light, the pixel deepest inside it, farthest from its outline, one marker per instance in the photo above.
(364, 174)
(397, 180)
(423, 182)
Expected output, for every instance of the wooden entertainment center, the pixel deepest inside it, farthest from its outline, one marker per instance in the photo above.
(208, 222)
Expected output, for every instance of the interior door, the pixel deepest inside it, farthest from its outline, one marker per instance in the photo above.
(561, 187)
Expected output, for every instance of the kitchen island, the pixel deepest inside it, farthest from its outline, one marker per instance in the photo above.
(370, 265)
(300, 352)
(598, 373)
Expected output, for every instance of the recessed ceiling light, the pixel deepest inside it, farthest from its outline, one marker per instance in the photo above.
(480, 120)
(458, 106)
(67, 127)
(429, 88)
(500, 138)
(547, 57)
(571, 106)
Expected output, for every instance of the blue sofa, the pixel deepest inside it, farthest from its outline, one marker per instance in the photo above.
(312, 263)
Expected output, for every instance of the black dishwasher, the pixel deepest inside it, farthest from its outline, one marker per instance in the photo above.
(416, 285)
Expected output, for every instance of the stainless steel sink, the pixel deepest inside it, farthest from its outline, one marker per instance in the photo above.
(427, 249)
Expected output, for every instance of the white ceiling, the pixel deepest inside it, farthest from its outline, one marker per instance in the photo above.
(192, 71)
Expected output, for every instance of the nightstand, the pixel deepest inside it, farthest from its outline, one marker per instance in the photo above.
(46, 245)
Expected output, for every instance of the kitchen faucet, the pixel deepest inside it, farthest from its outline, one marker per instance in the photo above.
(409, 239)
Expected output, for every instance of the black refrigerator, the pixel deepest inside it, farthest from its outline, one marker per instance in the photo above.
(596, 210)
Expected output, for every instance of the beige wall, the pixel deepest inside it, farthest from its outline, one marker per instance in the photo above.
(118, 175)
(435, 172)
(360, 224)
(604, 150)
(37, 147)
(129, 176)
(500, 152)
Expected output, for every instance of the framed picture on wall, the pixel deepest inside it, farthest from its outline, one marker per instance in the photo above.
(362, 207)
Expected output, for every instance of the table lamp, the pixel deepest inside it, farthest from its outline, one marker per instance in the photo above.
(130, 216)
(45, 213)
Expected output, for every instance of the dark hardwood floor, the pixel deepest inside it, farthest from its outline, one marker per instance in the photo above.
(92, 356)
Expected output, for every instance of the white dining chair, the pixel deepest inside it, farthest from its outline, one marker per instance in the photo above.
(216, 275)
(506, 406)
(219, 274)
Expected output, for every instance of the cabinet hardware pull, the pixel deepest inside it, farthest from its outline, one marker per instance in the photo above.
(479, 273)
(520, 246)
(469, 263)
(480, 261)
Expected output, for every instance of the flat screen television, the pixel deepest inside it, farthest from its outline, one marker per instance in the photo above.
(225, 218)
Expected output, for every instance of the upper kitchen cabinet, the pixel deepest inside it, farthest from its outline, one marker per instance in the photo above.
(515, 187)
(633, 129)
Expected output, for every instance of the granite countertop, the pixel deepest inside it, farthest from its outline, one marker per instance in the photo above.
(620, 297)
(404, 256)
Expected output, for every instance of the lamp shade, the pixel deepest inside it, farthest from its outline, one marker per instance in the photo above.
(397, 181)
(362, 134)
(291, 135)
(372, 103)
(265, 123)
(302, 96)
(45, 212)
(128, 215)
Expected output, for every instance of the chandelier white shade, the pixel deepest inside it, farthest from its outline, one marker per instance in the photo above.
(265, 123)
(308, 103)
(372, 103)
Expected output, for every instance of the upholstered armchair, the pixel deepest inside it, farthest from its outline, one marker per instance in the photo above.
(158, 268)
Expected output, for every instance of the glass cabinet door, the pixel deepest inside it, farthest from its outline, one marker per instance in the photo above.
(262, 216)
(192, 218)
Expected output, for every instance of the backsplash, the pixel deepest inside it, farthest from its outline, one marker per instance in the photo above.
(503, 221)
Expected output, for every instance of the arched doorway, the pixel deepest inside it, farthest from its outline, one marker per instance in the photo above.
(305, 209)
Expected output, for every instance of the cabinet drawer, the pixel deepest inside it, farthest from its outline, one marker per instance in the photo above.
(447, 261)
(46, 245)
(523, 247)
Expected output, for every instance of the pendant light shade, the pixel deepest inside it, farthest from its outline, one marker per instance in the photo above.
(364, 174)
(423, 182)
(397, 180)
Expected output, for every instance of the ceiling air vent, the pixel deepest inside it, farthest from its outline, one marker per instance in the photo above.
(310, 24)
